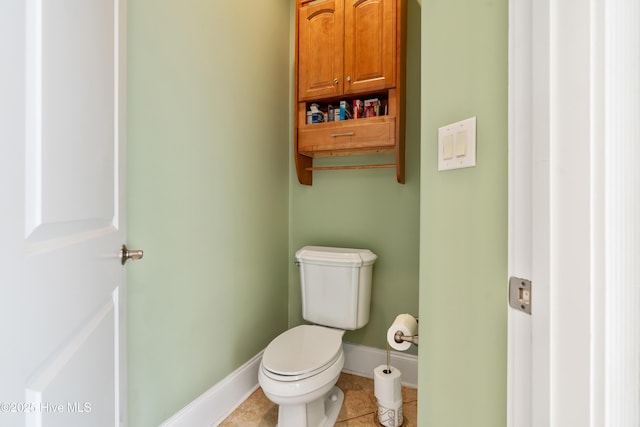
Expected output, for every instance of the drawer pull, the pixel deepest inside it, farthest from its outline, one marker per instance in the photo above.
(342, 134)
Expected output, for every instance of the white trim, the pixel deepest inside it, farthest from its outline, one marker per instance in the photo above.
(619, 294)
(217, 403)
(520, 209)
(362, 360)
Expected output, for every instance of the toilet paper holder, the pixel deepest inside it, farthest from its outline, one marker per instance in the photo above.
(400, 337)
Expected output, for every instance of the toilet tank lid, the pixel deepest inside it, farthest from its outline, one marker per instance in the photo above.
(326, 255)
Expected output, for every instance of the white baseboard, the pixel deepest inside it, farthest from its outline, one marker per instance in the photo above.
(362, 360)
(217, 403)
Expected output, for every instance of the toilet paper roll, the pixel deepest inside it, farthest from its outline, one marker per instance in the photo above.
(390, 416)
(387, 385)
(405, 323)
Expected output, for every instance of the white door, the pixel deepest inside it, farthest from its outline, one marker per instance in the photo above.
(551, 220)
(574, 212)
(62, 223)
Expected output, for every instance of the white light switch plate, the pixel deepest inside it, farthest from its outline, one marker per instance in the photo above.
(462, 154)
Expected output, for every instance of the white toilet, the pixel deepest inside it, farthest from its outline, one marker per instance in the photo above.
(301, 366)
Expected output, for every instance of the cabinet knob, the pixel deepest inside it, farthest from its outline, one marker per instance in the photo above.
(335, 81)
(348, 78)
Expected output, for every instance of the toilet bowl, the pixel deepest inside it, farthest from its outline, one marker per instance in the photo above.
(299, 370)
(300, 367)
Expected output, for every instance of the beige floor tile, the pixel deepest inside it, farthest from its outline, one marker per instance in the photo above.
(359, 408)
(257, 411)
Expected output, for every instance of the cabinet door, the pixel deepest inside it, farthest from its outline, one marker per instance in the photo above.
(320, 49)
(370, 45)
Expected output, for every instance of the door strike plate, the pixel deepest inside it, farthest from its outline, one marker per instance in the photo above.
(520, 294)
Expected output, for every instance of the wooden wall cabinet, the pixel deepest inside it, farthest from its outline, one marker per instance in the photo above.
(349, 50)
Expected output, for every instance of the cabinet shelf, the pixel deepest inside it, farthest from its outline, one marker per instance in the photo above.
(335, 168)
(348, 136)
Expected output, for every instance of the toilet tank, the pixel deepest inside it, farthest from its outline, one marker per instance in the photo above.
(336, 285)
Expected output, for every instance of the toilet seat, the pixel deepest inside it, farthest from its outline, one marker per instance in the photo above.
(302, 352)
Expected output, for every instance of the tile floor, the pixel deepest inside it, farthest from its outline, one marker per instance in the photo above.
(359, 408)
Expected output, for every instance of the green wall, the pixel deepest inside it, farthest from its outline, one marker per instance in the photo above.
(463, 217)
(208, 150)
(368, 209)
(215, 204)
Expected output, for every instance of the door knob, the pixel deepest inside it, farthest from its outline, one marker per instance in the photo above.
(126, 254)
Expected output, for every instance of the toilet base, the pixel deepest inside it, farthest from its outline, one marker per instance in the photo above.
(319, 413)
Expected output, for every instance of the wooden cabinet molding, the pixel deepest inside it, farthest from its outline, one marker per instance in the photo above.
(348, 50)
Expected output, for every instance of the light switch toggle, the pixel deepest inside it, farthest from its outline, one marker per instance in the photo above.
(447, 147)
(461, 143)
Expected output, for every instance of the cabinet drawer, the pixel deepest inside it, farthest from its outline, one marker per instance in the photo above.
(369, 135)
